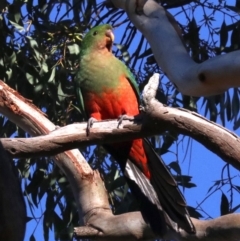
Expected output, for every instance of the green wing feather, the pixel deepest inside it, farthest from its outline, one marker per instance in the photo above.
(91, 76)
(133, 82)
(80, 101)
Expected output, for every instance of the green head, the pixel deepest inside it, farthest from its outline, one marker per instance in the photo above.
(98, 38)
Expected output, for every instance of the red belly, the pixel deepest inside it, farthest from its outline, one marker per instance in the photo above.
(112, 103)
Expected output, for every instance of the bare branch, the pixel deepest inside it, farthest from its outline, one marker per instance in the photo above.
(101, 223)
(208, 78)
(87, 186)
(225, 228)
(158, 118)
(27, 116)
(88, 190)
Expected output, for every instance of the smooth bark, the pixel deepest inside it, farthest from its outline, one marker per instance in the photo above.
(158, 118)
(208, 78)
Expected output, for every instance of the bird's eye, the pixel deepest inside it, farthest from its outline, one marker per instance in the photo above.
(95, 33)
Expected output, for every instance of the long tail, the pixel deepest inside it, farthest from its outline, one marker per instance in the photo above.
(162, 203)
(168, 193)
(150, 206)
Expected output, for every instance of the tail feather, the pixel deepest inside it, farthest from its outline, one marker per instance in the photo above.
(168, 193)
(151, 208)
(162, 204)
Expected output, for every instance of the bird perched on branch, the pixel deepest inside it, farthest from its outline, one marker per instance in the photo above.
(106, 89)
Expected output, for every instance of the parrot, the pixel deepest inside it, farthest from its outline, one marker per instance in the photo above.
(106, 89)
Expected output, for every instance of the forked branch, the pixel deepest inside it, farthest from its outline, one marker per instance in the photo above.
(87, 186)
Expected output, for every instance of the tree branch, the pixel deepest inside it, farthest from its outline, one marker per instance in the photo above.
(88, 190)
(27, 116)
(158, 118)
(208, 78)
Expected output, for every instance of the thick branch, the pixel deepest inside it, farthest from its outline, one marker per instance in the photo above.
(87, 186)
(223, 228)
(27, 116)
(219, 229)
(88, 189)
(101, 223)
(158, 118)
(208, 78)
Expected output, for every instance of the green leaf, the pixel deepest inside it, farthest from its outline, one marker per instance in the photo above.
(235, 102)
(145, 53)
(52, 76)
(31, 79)
(213, 109)
(175, 166)
(62, 180)
(194, 213)
(193, 31)
(11, 58)
(228, 106)
(32, 238)
(223, 36)
(3, 4)
(58, 225)
(235, 208)
(119, 182)
(222, 110)
(53, 181)
(73, 49)
(235, 38)
(224, 207)
(184, 181)
(216, 184)
(38, 88)
(236, 124)
(17, 26)
(44, 68)
(46, 224)
(34, 47)
(187, 184)
(61, 95)
(168, 139)
(14, 12)
(124, 52)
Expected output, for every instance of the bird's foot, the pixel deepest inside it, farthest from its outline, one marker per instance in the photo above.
(90, 124)
(121, 118)
(56, 128)
(142, 108)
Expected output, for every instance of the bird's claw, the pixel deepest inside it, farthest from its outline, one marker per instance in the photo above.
(90, 124)
(56, 128)
(124, 117)
(142, 108)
